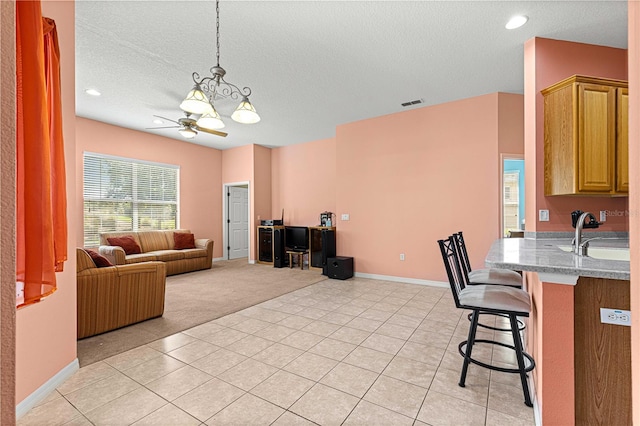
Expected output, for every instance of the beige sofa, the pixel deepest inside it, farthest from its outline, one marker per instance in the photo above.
(158, 245)
(117, 296)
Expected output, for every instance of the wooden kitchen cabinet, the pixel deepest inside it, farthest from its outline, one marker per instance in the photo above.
(586, 137)
(622, 145)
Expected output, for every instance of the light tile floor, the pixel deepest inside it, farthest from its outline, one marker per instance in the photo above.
(355, 352)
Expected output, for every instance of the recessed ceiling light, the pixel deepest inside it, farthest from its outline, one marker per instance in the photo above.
(158, 121)
(516, 22)
(92, 92)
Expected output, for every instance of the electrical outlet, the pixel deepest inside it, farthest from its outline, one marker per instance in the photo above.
(345, 216)
(401, 256)
(615, 316)
(543, 215)
(603, 215)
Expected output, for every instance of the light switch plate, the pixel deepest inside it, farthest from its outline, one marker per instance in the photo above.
(345, 216)
(543, 215)
(603, 215)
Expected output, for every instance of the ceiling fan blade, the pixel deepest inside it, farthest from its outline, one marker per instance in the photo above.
(168, 119)
(165, 127)
(213, 132)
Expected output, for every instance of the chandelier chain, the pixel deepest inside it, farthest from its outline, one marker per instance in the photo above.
(208, 89)
(218, 32)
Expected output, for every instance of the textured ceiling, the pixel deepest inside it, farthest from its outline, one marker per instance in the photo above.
(313, 65)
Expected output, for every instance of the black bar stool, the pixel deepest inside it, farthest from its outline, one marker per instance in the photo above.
(491, 276)
(487, 276)
(494, 299)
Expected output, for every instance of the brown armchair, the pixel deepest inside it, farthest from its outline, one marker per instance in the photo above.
(117, 296)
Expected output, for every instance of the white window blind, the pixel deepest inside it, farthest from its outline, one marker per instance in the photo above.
(121, 194)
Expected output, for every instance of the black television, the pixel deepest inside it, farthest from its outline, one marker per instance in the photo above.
(296, 238)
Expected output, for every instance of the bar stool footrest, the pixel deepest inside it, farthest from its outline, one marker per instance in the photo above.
(528, 357)
(521, 325)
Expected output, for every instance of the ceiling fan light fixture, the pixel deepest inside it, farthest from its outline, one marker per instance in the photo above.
(196, 101)
(187, 132)
(245, 113)
(210, 120)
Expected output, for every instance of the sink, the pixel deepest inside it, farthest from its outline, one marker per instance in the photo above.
(604, 253)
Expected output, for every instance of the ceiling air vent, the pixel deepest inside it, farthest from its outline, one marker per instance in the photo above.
(417, 101)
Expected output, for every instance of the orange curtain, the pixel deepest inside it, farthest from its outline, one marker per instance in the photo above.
(40, 157)
(54, 108)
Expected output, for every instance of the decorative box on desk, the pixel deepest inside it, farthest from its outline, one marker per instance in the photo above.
(340, 267)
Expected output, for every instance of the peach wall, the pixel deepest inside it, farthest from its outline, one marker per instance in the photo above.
(552, 304)
(634, 197)
(531, 188)
(304, 181)
(237, 166)
(547, 62)
(411, 178)
(7, 212)
(46, 331)
(510, 124)
(262, 185)
(200, 185)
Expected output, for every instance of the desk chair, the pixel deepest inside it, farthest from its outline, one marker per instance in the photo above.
(495, 299)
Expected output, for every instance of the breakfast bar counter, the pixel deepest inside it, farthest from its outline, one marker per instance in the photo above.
(545, 256)
(583, 366)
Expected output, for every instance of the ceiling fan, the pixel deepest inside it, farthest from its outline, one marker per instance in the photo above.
(187, 127)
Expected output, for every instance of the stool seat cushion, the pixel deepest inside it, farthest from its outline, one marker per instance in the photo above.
(490, 297)
(495, 276)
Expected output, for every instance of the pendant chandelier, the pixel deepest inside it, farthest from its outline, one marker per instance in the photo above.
(207, 90)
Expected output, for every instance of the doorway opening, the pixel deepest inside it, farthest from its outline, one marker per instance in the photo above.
(512, 196)
(236, 220)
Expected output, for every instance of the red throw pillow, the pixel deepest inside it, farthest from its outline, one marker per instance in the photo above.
(98, 259)
(183, 240)
(127, 243)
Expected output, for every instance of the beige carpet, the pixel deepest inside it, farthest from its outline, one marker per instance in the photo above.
(197, 297)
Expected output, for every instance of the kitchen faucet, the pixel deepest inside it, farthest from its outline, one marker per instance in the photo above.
(580, 248)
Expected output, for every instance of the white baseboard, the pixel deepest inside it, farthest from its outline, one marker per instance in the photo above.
(220, 259)
(49, 386)
(441, 284)
(537, 415)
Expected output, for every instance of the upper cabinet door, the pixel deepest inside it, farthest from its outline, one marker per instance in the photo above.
(586, 137)
(622, 141)
(596, 137)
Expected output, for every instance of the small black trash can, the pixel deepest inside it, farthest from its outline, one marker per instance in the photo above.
(340, 267)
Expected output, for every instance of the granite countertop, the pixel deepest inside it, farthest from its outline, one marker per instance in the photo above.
(544, 256)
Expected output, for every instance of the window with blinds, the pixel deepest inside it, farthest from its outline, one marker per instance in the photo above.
(121, 194)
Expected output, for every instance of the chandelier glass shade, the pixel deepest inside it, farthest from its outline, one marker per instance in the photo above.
(245, 113)
(210, 119)
(208, 89)
(196, 101)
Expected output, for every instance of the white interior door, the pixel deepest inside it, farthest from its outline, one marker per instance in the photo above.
(238, 221)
